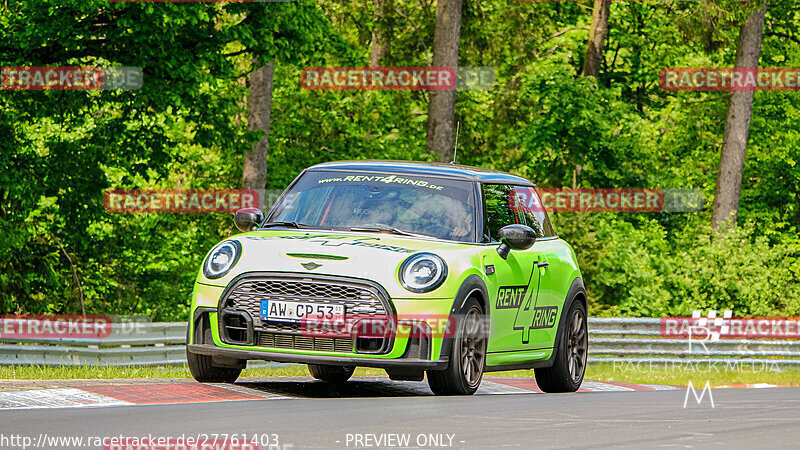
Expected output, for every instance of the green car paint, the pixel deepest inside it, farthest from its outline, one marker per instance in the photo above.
(523, 296)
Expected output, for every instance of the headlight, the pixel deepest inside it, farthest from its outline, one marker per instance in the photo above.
(423, 272)
(221, 259)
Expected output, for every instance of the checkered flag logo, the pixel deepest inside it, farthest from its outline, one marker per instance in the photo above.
(720, 324)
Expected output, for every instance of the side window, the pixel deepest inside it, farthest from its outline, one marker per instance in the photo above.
(506, 205)
(526, 201)
(498, 213)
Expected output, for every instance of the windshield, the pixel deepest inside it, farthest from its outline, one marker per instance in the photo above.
(435, 207)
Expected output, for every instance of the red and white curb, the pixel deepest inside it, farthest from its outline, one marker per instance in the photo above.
(123, 395)
(190, 392)
(55, 398)
(527, 385)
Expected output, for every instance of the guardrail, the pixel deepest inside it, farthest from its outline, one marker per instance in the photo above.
(610, 340)
(139, 344)
(638, 340)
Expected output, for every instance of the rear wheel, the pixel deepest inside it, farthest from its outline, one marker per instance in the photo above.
(331, 374)
(468, 358)
(566, 374)
(203, 370)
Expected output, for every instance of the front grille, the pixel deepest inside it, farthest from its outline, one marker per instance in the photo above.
(296, 342)
(365, 300)
(247, 295)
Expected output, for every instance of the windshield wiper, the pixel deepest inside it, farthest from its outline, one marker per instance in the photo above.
(286, 224)
(384, 228)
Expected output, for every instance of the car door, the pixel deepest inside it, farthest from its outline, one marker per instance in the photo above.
(512, 283)
(552, 258)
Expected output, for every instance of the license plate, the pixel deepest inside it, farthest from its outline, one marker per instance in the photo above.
(284, 311)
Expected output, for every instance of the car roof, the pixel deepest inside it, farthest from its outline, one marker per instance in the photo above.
(433, 169)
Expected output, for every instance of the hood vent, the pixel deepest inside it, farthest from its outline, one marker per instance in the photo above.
(317, 256)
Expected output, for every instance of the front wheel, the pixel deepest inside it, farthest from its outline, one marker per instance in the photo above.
(331, 374)
(468, 358)
(203, 370)
(566, 374)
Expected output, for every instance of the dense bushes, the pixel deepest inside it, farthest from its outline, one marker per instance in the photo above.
(645, 271)
(186, 129)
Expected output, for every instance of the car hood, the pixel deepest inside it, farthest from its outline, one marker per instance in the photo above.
(370, 256)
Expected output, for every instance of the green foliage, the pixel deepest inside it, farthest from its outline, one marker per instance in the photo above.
(646, 271)
(182, 129)
(186, 128)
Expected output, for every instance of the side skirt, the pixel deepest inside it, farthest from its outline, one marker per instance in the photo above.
(526, 365)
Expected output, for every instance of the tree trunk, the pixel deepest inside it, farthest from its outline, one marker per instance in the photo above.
(380, 43)
(597, 38)
(254, 174)
(737, 125)
(441, 110)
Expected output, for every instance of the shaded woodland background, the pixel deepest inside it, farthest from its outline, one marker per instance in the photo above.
(577, 104)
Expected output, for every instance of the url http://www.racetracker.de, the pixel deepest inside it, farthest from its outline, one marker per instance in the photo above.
(202, 441)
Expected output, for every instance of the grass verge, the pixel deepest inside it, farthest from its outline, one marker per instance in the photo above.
(108, 372)
(716, 373)
(675, 374)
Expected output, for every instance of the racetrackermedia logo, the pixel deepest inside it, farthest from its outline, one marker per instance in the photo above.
(730, 79)
(699, 398)
(535, 200)
(713, 327)
(397, 78)
(70, 78)
(179, 201)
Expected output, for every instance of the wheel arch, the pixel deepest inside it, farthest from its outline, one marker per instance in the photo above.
(472, 287)
(577, 291)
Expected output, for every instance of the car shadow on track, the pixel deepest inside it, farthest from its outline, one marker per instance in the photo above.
(357, 387)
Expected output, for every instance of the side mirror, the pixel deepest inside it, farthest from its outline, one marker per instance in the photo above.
(515, 237)
(247, 218)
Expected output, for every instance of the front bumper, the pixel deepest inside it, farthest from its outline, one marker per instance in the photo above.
(403, 350)
(415, 363)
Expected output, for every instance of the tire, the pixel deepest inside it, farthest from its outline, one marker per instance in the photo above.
(331, 374)
(202, 369)
(566, 374)
(468, 357)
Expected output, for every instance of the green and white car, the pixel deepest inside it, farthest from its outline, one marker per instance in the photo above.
(415, 268)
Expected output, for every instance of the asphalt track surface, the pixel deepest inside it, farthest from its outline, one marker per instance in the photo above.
(310, 414)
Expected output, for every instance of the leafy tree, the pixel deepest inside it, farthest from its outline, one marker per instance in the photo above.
(188, 127)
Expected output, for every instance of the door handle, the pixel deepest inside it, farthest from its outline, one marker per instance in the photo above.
(542, 264)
